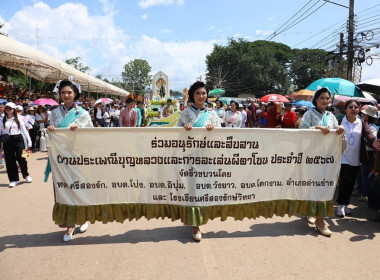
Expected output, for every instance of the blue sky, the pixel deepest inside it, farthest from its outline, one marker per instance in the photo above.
(174, 36)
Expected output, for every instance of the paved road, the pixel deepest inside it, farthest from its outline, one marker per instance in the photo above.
(277, 248)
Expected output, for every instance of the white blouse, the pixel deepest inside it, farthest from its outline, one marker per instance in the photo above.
(233, 119)
(57, 115)
(12, 128)
(191, 114)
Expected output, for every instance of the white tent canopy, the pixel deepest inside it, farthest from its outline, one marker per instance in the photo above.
(43, 67)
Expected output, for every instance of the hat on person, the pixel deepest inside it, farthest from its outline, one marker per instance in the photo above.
(19, 108)
(10, 105)
(31, 108)
(259, 111)
(370, 111)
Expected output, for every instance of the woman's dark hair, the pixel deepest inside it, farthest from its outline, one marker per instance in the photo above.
(68, 83)
(236, 103)
(15, 117)
(221, 103)
(318, 93)
(194, 87)
(349, 102)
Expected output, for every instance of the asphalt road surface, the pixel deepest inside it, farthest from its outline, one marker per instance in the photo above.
(31, 244)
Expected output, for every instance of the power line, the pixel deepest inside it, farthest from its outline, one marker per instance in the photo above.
(324, 30)
(275, 33)
(304, 18)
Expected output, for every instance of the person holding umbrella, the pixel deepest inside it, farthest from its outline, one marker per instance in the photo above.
(319, 118)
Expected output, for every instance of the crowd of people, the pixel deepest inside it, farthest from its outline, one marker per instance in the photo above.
(24, 124)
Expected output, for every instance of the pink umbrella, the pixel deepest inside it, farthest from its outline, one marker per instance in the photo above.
(45, 101)
(104, 100)
(366, 99)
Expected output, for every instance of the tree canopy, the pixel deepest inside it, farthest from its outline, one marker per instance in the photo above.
(308, 65)
(75, 62)
(263, 67)
(136, 75)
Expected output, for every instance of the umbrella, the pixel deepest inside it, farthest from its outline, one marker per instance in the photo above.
(45, 101)
(3, 100)
(337, 86)
(303, 103)
(303, 94)
(225, 100)
(372, 85)
(274, 97)
(368, 98)
(104, 100)
(216, 92)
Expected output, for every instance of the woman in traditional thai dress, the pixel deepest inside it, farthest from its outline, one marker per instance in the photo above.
(319, 118)
(220, 110)
(72, 116)
(196, 115)
(233, 118)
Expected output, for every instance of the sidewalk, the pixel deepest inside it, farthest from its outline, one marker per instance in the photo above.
(277, 248)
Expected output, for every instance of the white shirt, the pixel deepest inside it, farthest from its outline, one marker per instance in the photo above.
(31, 119)
(353, 135)
(11, 128)
(232, 119)
(99, 113)
(161, 112)
(40, 117)
(243, 117)
(106, 117)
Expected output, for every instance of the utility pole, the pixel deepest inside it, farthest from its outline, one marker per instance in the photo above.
(350, 37)
(341, 55)
(350, 45)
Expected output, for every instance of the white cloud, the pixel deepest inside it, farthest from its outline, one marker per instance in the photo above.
(270, 19)
(246, 37)
(69, 31)
(150, 3)
(165, 30)
(144, 16)
(182, 62)
(212, 27)
(260, 32)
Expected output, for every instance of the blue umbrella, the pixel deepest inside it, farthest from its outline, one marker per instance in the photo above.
(2, 100)
(337, 86)
(303, 103)
(216, 92)
(225, 100)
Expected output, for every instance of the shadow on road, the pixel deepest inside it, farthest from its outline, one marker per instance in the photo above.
(181, 234)
(360, 228)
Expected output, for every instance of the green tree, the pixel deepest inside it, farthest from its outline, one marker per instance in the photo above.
(308, 65)
(75, 62)
(136, 75)
(243, 66)
(100, 77)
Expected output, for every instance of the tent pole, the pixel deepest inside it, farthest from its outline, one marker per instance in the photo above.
(30, 79)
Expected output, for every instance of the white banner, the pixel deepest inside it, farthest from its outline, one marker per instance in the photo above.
(97, 166)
